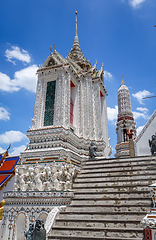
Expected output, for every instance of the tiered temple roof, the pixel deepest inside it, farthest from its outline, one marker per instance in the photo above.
(75, 59)
(7, 168)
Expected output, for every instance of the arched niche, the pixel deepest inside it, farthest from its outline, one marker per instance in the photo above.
(20, 226)
(43, 216)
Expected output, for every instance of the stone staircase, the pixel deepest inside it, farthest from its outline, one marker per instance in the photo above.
(111, 196)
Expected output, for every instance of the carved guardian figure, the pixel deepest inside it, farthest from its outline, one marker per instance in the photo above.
(92, 151)
(152, 144)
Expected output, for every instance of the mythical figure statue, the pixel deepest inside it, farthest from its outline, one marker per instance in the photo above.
(44, 178)
(29, 233)
(152, 144)
(130, 133)
(39, 231)
(92, 151)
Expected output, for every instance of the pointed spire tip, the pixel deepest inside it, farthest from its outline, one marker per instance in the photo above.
(122, 82)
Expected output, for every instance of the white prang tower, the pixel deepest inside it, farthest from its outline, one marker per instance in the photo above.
(125, 122)
(70, 109)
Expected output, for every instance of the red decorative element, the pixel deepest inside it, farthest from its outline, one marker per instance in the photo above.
(125, 118)
(147, 233)
(72, 84)
(101, 95)
(7, 165)
(71, 110)
(2, 178)
(130, 134)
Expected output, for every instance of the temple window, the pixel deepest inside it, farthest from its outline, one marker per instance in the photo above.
(49, 104)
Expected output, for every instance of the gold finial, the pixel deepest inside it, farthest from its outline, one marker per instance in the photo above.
(75, 12)
(122, 82)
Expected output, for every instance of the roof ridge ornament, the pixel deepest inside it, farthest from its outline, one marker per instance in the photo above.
(54, 47)
(51, 50)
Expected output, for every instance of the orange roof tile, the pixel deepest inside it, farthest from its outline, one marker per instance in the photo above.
(8, 164)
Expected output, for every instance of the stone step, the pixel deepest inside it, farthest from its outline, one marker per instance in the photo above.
(111, 223)
(110, 208)
(116, 178)
(72, 237)
(126, 215)
(113, 161)
(118, 168)
(106, 173)
(121, 165)
(120, 161)
(133, 178)
(94, 184)
(97, 232)
(111, 195)
(118, 189)
(115, 202)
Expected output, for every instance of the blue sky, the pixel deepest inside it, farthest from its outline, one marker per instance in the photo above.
(118, 33)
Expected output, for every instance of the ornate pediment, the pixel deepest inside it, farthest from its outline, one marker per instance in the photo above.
(50, 61)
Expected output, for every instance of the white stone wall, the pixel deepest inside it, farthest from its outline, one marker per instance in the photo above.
(142, 141)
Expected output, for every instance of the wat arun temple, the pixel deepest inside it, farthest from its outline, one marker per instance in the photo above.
(66, 178)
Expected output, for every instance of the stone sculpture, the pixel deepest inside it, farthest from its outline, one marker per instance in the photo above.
(92, 151)
(37, 233)
(152, 144)
(29, 233)
(44, 178)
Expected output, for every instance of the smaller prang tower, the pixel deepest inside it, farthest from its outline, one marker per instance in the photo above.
(125, 123)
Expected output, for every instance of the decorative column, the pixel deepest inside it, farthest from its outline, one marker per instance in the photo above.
(38, 100)
(58, 98)
(90, 108)
(82, 107)
(97, 112)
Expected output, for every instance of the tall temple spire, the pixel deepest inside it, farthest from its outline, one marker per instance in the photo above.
(76, 39)
(76, 53)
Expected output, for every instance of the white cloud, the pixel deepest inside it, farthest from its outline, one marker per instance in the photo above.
(25, 78)
(17, 53)
(112, 113)
(136, 3)
(140, 114)
(6, 84)
(17, 150)
(12, 136)
(140, 95)
(4, 114)
(141, 109)
(108, 76)
(139, 129)
(2, 150)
